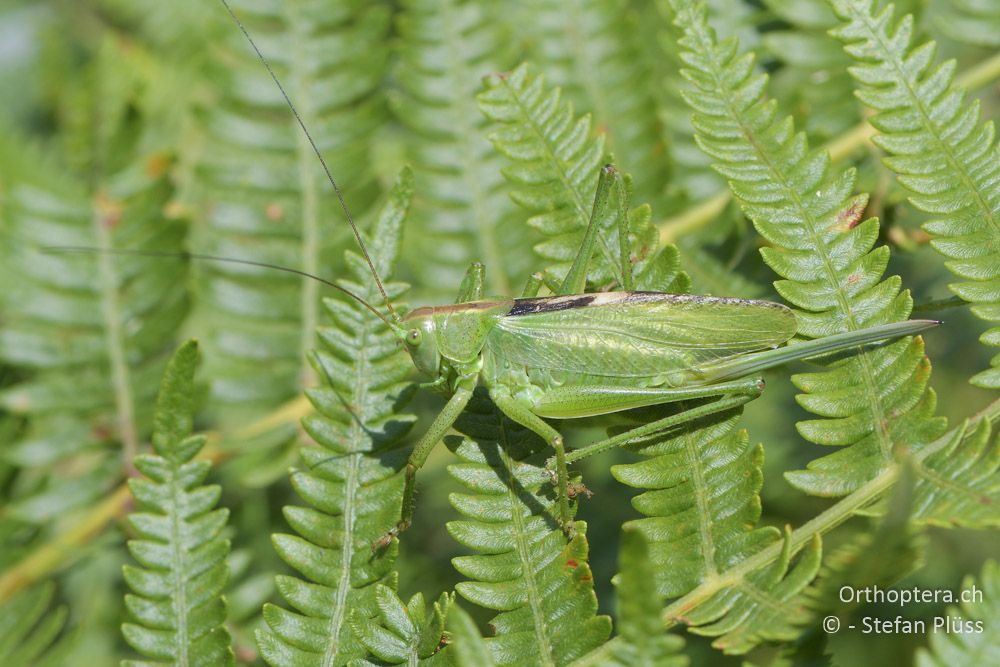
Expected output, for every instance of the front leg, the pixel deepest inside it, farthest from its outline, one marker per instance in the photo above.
(438, 428)
(521, 413)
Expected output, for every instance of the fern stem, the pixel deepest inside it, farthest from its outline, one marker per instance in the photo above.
(305, 160)
(818, 525)
(101, 218)
(42, 561)
(840, 148)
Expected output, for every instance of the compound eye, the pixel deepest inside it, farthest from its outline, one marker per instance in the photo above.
(413, 337)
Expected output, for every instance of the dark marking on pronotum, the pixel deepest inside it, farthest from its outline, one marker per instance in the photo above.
(550, 304)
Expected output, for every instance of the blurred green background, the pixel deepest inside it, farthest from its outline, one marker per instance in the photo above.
(125, 112)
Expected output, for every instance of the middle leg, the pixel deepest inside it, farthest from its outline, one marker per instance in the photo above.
(522, 414)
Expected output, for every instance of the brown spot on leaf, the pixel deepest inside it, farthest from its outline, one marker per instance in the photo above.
(985, 500)
(246, 654)
(109, 210)
(101, 432)
(849, 217)
(157, 165)
(274, 212)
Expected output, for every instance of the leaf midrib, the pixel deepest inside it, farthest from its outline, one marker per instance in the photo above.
(115, 345)
(540, 624)
(178, 569)
(304, 157)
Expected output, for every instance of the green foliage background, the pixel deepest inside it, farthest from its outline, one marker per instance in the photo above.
(151, 126)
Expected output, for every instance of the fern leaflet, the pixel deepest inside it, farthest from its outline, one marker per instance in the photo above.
(971, 647)
(813, 82)
(877, 557)
(177, 602)
(702, 507)
(591, 49)
(554, 160)
(29, 629)
(642, 639)
(350, 481)
(959, 485)
(972, 22)
(89, 334)
(701, 501)
(403, 634)
(766, 605)
(941, 153)
(467, 648)
(876, 400)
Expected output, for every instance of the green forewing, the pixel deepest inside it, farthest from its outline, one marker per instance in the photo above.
(636, 334)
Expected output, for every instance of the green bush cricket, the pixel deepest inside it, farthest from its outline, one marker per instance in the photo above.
(575, 354)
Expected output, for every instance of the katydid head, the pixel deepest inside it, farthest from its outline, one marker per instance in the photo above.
(421, 341)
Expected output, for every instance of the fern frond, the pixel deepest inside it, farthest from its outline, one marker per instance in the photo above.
(350, 481)
(877, 399)
(700, 500)
(468, 649)
(525, 569)
(767, 605)
(959, 485)
(177, 602)
(590, 49)
(702, 509)
(974, 22)
(642, 639)
(403, 634)
(554, 161)
(89, 334)
(555, 158)
(30, 627)
(462, 211)
(977, 645)
(692, 180)
(262, 195)
(946, 158)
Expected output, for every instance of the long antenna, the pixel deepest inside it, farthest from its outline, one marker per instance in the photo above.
(329, 176)
(212, 258)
